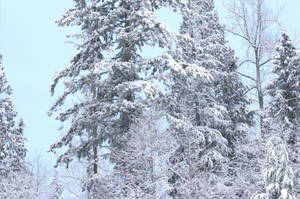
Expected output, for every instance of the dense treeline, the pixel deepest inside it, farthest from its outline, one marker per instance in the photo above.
(178, 125)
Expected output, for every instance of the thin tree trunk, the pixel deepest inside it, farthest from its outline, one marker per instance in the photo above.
(89, 177)
(95, 153)
(259, 94)
(93, 158)
(254, 29)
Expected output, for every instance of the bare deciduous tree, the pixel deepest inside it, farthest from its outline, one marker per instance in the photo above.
(40, 170)
(254, 23)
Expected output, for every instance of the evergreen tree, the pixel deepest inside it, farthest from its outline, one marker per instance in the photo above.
(207, 103)
(12, 148)
(283, 111)
(202, 22)
(194, 112)
(284, 106)
(230, 93)
(15, 181)
(109, 71)
(278, 175)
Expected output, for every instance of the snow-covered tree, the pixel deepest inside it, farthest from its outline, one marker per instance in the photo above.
(142, 168)
(108, 72)
(283, 111)
(278, 175)
(193, 112)
(12, 148)
(202, 22)
(254, 23)
(22, 185)
(206, 104)
(15, 181)
(55, 188)
(284, 107)
(18, 185)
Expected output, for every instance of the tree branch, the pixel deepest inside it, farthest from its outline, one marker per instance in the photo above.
(240, 35)
(247, 76)
(245, 61)
(245, 93)
(265, 62)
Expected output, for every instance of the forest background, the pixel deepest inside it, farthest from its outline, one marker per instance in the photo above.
(34, 49)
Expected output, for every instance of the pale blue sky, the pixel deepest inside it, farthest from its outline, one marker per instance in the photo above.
(34, 49)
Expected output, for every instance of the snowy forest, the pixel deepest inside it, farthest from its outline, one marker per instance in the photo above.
(201, 120)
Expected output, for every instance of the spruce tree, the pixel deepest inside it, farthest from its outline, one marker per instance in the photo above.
(202, 21)
(278, 175)
(194, 112)
(12, 148)
(109, 73)
(230, 93)
(284, 89)
(207, 103)
(283, 110)
(15, 181)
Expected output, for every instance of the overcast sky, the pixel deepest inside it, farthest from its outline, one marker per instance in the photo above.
(34, 49)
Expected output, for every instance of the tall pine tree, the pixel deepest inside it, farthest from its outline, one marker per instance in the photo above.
(284, 108)
(12, 148)
(15, 181)
(207, 102)
(283, 111)
(109, 73)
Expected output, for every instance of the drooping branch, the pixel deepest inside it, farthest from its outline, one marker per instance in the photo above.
(247, 76)
(246, 61)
